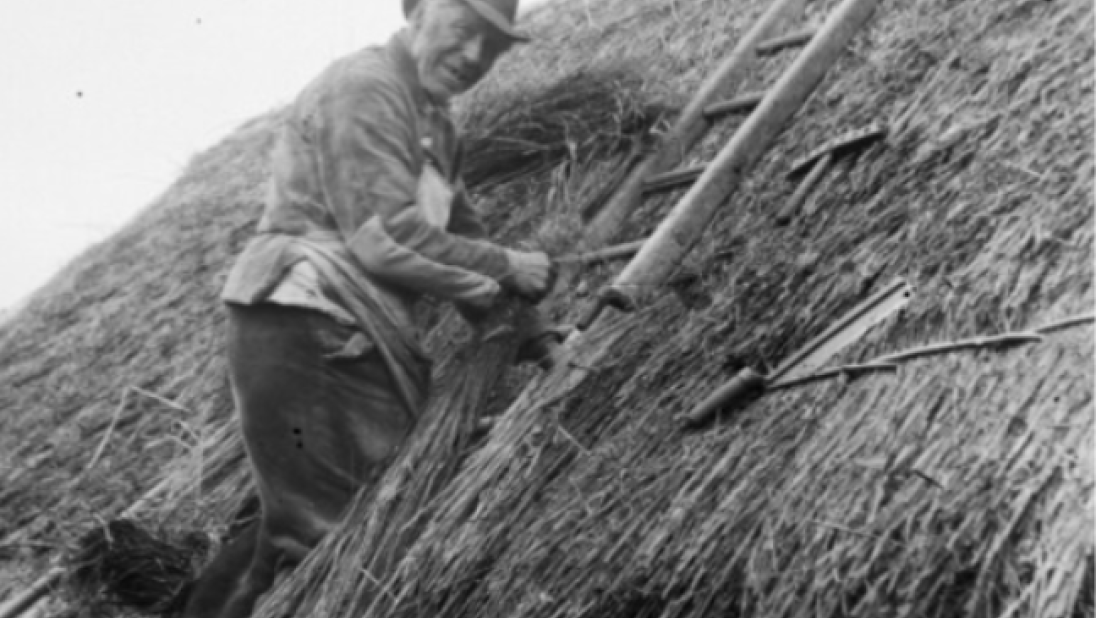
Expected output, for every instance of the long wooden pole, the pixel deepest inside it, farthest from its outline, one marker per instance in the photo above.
(684, 225)
(689, 127)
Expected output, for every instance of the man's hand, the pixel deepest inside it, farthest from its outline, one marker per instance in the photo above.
(532, 275)
(485, 297)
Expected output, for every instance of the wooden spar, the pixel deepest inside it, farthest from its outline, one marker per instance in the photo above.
(742, 103)
(687, 221)
(689, 127)
(608, 254)
(669, 180)
(786, 41)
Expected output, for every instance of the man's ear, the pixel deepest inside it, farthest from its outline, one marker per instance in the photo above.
(416, 18)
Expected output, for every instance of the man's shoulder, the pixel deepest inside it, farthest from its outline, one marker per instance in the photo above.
(369, 70)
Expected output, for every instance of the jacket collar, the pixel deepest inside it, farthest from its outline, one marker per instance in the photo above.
(399, 50)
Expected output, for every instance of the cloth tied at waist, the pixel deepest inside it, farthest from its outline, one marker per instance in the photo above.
(377, 312)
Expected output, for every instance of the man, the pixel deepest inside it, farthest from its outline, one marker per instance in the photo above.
(366, 213)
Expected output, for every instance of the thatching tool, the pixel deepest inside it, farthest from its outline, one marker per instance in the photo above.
(808, 359)
(889, 362)
(816, 162)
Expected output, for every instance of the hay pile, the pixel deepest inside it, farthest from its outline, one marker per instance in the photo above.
(124, 564)
(962, 485)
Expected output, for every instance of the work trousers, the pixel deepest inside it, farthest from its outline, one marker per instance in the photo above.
(321, 418)
(320, 415)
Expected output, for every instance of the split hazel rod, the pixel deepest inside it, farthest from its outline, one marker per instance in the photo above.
(788, 40)
(965, 344)
(1066, 323)
(608, 254)
(852, 371)
(748, 380)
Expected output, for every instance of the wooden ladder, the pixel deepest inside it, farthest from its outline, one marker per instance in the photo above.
(714, 182)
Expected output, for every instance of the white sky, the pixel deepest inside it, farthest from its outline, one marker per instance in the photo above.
(104, 102)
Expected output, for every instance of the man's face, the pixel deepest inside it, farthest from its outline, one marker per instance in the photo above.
(453, 46)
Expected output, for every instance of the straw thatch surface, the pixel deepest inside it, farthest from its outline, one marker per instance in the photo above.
(960, 486)
(122, 564)
(138, 320)
(112, 369)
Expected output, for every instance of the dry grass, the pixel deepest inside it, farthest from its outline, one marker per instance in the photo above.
(129, 336)
(163, 379)
(581, 119)
(123, 564)
(387, 519)
(962, 485)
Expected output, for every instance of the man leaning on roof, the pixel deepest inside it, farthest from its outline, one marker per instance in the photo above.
(366, 213)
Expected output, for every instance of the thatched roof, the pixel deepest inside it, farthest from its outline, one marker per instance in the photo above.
(962, 485)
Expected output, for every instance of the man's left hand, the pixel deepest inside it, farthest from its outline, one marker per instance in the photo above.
(532, 274)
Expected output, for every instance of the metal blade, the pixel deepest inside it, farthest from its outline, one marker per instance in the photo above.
(851, 327)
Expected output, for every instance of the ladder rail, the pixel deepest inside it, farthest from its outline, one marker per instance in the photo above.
(690, 126)
(683, 226)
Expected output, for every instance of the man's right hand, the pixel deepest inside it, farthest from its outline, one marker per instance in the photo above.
(532, 274)
(484, 298)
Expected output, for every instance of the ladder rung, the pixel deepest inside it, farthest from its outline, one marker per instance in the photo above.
(669, 180)
(788, 40)
(741, 103)
(691, 125)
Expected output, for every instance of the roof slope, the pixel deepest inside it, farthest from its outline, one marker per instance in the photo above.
(111, 368)
(960, 486)
(963, 484)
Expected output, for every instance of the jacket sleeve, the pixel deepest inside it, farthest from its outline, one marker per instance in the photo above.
(369, 165)
(463, 218)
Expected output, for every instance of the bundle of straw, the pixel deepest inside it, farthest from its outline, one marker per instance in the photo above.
(136, 567)
(583, 117)
(385, 520)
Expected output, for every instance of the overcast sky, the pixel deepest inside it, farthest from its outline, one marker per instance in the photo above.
(104, 101)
